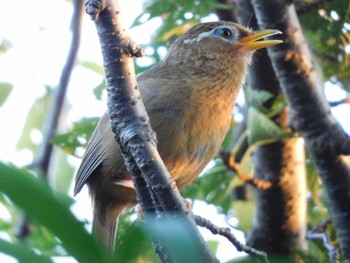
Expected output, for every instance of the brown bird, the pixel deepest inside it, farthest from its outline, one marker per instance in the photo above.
(189, 97)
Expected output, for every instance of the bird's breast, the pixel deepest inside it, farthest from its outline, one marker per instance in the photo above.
(189, 142)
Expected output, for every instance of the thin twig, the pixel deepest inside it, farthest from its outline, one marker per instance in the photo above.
(42, 162)
(318, 232)
(340, 102)
(230, 163)
(226, 232)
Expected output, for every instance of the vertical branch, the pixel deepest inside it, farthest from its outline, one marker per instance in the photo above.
(309, 111)
(284, 223)
(42, 161)
(155, 188)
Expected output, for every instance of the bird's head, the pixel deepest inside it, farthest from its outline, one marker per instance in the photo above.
(219, 43)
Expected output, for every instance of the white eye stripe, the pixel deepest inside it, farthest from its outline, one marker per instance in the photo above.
(198, 38)
(210, 33)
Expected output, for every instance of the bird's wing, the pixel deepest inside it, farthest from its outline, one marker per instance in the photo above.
(93, 156)
(102, 146)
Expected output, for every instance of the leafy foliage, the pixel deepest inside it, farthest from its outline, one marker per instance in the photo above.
(5, 90)
(178, 16)
(77, 137)
(53, 207)
(97, 68)
(35, 120)
(262, 129)
(328, 33)
(213, 186)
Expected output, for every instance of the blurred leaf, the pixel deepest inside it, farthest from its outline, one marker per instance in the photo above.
(5, 90)
(77, 137)
(98, 90)
(62, 173)
(313, 183)
(44, 206)
(229, 134)
(176, 240)
(213, 186)
(244, 211)
(5, 45)
(257, 98)
(22, 252)
(213, 244)
(44, 240)
(261, 128)
(36, 119)
(177, 17)
(329, 37)
(134, 243)
(97, 68)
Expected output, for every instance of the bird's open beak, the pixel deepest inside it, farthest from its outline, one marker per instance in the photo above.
(251, 42)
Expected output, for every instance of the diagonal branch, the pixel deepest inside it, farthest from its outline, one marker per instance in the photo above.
(226, 232)
(155, 188)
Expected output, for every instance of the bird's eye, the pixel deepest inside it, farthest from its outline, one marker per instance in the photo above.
(226, 33)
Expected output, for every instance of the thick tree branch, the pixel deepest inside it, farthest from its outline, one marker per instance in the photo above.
(309, 110)
(42, 161)
(155, 188)
(277, 229)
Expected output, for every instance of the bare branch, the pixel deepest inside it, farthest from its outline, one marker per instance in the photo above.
(226, 232)
(339, 102)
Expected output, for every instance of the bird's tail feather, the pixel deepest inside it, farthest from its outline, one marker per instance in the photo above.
(104, 223)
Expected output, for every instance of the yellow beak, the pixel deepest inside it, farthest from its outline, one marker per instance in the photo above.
(250, 42)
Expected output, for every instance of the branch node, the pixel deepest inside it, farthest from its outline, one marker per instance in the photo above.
(93, 8)
(135, 50)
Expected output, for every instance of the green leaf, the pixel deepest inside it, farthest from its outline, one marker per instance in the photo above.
(134, 243)
(98, 90)
(328, 38)
(213, 244)
(313, 183)
(22, 253)
(5, 90)
(262, 129)
(213, 186)
(244, 211)
(36, 119)
(62, 173)
(78, 136)
(97, 68)
(257, 98)
(39, 202)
